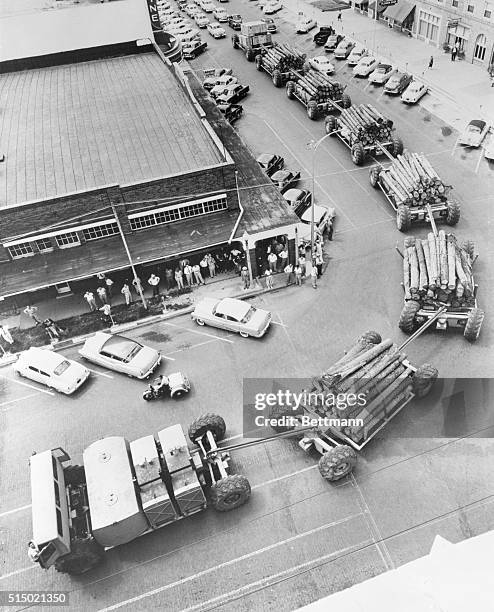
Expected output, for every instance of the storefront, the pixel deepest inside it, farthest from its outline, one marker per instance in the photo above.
(458, 33)
(400, 16)
(428, 26)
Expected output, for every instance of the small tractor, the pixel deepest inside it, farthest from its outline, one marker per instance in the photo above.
(253, 39)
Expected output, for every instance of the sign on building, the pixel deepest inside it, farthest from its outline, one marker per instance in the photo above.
(154, 15)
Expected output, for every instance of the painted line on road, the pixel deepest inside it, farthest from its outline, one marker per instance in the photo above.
(280, 478)
(15, 510)
(479, 160)
(269, 581)
(279, 323)
(453, 150)
(169, 358)
(23, 384)
(19, 399)
(360, 227)
(195, 331)
(100, 373)
(19, 571)
(229, 563)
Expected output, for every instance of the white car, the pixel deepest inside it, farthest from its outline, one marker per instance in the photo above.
(474, 133)
(366, 65)
(201, 20)
(272, 7)
(207, 6)
(305, 24)
(220, 14)
(192, 10)
(233, 315)
(381, 74)
(222, 82)
(121, 354)
(185, 32)
(489, 150)
(51, 369)
(323, 220)
(357, 53)
(414, 92)
(216, 30)
(321, 63)
(172, 22)
(166, 11)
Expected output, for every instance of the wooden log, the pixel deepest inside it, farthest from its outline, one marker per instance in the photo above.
(462, 277)
(406, 274)
(423, 278)
(435, 276)
(359, 347)
(443, 259)
(427, 256)
(361, 360)
(359, 378)
(414, 269)
(451, 246)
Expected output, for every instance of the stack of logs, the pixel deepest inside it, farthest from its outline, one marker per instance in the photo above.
(317, 87)
(438, 270)
(366, 124)
(378, 374)
(282, 57)
(412, 180)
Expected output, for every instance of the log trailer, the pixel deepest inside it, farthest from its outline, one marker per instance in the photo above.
(437, 274)
(253, 39)
(366, 132)
(126, 490)
(319, 93)
(415, 191)
(279, 62)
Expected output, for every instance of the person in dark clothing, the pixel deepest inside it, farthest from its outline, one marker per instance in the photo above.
(431, 62)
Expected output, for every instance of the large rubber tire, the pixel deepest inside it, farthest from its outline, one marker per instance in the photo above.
(358, 154)
(474, 323)
(148, 396)
(454, 212)
(337, 462)
(230, 492)
(312, 110)
(374, 173)
(74, 475)
(469, 247)
(235, 41)
(207, 422)
(346, 101)
(403, 218)
(373, 337)
(290, 90)
(250, 55)
(423, 379)
(277, 78)
(397, 147)
(330, 125)
(407, 322)
(259, 62)
(83, 557)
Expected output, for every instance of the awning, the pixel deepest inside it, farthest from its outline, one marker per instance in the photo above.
(399, 12)
(372, 7)
(460, 31)
(361, 3)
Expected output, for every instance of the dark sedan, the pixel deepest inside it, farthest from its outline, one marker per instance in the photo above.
(397, 83)
(270, 162)
(235, 21)
(321, 37)
(332, 42)
(283, 179)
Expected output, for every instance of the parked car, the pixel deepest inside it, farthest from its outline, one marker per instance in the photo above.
(233, 94)
(201, 20)
(270, 24)
(414, 92)
(283, 179)
(322, 36)
(356, 54)
(191, 9)
(332, 42)
(366, 65)
(305, 24)
(322, 64)
(221, 83)
(232, 112)
(121, 354)
(344, 49)
(166, 11)
(474, 133)
(397, 83)
(272, 7)
(216, 30)
(489, 150)
(298, 198)
(381, 74)
(194, 48)
(207, 6)
(323, 220)
(212, 77)
(173, 23)
(51, 369)
(235, 21)
(232, 315)
(220, 14)
(270, 162)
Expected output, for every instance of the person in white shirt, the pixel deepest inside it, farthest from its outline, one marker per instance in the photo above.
(101, 291)
(154, 282)
(125, 291)
(272, 259)
(269, 279)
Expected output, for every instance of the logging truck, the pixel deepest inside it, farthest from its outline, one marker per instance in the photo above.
(253, 39)
(365, 131)
(126, 490)
(438, 274)
(319, 93)
(415, 191)
(279, 62)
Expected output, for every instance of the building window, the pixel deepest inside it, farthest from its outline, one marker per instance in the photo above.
(24, 249)
(100, 231)
(487, 14)
(428, 26)
(470, 8)
(142, 222)
(455, 3)
(67, 240)
(480, 47)
(44, 244)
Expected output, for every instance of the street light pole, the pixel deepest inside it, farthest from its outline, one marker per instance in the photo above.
(314, 144)
(245, 240)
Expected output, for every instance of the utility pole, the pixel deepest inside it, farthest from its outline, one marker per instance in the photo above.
(129, 257)
(314, 146)
(245, 240)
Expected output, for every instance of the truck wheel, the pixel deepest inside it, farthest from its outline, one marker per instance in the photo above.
(235, 41)
(403, 218)
(346, 101)
(407, 321)
(373, 337)
(74, 475)
(374, 176)
(250, 55)
(230, 492)
(147, 395)
(358, 153)
(469, 247)
(259, 62)
(453, 215)
(312, 110)
(84, 555)
(200, 322)
(474, 323)
(397, 147)
(337, 462)
(277, 78)
(178, 393)
(290, 90)
(423, 379)
(330, 124)
(207, 422)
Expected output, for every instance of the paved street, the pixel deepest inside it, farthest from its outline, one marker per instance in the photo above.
(299, 538)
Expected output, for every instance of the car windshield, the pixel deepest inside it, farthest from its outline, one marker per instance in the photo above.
(381, 69)
(474, 128)
(61, 367)
(121, 348)
(249, 315)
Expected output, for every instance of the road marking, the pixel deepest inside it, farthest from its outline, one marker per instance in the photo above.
(229, 563)
(479, 160)
(453, 150)
(19, 571)
(195, 331)
(278, 323)
(100, 373)
(273, 480)
(23, 384)
(169, 358)
(20, 509)
(19, 399)
(274, 578)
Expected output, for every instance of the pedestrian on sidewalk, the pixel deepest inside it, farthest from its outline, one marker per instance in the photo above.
(53, 330)
(31, 311)
(244, 275)
(318, 246)
(313, 274)
(453, 54)
(179, 278)
(204, 266)
(283, 259)
(101, 291)
(339, 16)
(107, 316)
(211, 265)
(154, 282)
(5, 334)
(188, 275)
(109, 285)
(319, 264)
(431, 62)
(90, 299)
(302, 264)
(137, 284)
(272, 260)
(183, 262)
(168, 278)
(298, 274)
(197, 274)
(101, 276)
(269, 278)
(125, 291)
(289, 274)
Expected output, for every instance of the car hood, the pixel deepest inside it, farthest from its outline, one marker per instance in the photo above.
(259, 319)
(470, 139)
(144, 359)
(392, 84)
